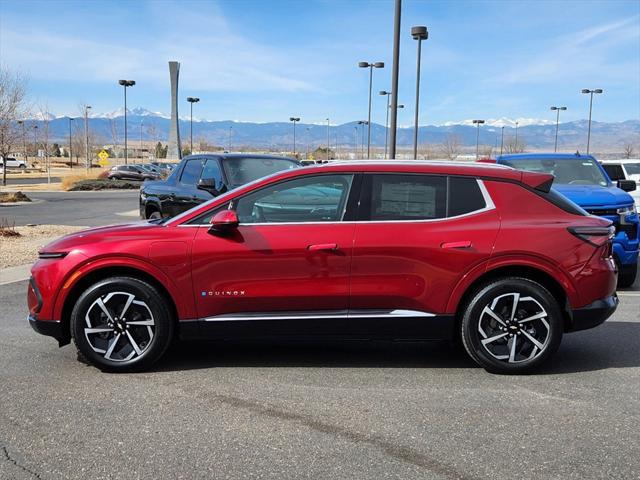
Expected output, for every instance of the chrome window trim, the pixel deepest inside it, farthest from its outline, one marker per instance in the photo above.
(489, 205)
(346, 314)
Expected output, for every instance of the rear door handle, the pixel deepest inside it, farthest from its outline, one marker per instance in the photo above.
(322, 246)
(461, 244)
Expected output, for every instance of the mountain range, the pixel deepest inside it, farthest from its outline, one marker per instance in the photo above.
(534, 134)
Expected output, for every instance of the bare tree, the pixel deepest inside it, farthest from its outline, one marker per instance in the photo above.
(113, 129)
(426, 151)
(44, 137)
(511, 146)
(628, 151)
(486, 151)
(13, 91)
(451, 147)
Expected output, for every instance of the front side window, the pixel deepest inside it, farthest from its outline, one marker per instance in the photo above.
(242, 170)
(211, 174)
(191, 172)
(404, 197)
(321, 198)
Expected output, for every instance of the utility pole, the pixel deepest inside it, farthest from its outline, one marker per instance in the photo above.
(86, 135)
(70, 148)
(328, 125)
(394, 78)
(502, 140)
(419, 34)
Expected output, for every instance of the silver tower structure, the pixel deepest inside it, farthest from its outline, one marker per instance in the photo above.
(174, 150)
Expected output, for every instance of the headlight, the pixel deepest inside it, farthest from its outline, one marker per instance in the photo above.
(627, 210)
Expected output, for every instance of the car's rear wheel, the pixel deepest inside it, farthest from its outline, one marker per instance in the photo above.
(121, 324)
(511, 325)
(627, 275)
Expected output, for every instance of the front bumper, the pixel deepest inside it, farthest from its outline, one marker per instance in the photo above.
(50, 328)
(593, 314)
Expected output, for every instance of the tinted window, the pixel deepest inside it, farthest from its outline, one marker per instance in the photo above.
(191, 172)
(241, 170)
(615, 172)
(320, 198)
(405, 197)
(465, 196)
(632, 168)
(211, 172)
(569, 171)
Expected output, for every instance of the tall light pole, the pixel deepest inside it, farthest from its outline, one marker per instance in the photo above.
(397, 12)
(557, 109)
(229, 142)
(294, 120)
(355, 143)
(35, 141)
(419, 34)
(478, 123)
(328, 125)
(24, 141)
(308, 138)
(386, 124)
(363, 123)
(590, 92)
(516, 147)
(141, 123)
(191, 101)
(370, 66)
(70, 148)
(502, 140)
(86, 135)
(125, 84)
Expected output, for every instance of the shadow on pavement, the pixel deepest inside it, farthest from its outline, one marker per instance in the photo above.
(611, 345)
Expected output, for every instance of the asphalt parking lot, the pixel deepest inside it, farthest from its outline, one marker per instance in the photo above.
(332, 410)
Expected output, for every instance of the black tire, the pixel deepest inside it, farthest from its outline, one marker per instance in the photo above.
(512, 338)
(153, 215)
(149, 326)
(627, 275)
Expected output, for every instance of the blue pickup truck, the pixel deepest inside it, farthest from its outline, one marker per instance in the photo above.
(582, 179)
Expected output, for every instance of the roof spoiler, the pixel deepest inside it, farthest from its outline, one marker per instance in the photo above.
(538, 181)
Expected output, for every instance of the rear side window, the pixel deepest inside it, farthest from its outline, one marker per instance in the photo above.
(404, 197)
(465, 196)
(191, 172)
(615, 172)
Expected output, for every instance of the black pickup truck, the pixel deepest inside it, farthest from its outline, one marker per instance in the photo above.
(199, 178)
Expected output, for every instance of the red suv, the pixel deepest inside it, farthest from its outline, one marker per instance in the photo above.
(398, 250)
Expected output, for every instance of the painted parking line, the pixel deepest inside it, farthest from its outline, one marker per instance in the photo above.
(629, 294)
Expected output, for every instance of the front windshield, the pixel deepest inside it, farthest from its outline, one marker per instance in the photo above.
(632, 168)
(567, 171)
(242, 170)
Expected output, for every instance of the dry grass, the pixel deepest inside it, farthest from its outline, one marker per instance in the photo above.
(12, 197)
(8, 229)
(70, 180)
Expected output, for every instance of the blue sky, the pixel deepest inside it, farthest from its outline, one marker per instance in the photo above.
(268, 60)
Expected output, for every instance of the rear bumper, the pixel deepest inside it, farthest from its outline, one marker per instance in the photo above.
(593, 314)
(50, 328)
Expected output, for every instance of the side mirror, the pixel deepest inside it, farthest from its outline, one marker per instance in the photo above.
(224, 221)
(208, 185)
(627, 185)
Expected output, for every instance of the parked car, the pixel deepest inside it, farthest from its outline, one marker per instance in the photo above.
(149, 168)
(628, 169)
(398, 250)
(12, 162)
(583, 180)
(131, 172)
(199, 178)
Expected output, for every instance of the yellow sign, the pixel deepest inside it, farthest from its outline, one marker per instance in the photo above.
(103, 155)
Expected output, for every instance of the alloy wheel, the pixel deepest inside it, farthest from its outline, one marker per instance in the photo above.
(119, 326)
(514, 328)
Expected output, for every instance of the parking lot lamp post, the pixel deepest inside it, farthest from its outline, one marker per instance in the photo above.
(35, 141)
(328, 125)
(386, 123)
(229, 142)
(370, 66)
(419, 34)
(590, 92)
(478, 123)
(70, 148)
(191, 101)
(86, 134)
(502, 140)
(125, 84)
(141, 123)
(516, 147)
(24, 140)
(557, 110)
(294, 120)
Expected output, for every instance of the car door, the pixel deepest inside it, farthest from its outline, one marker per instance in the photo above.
(416, 236)
(286, 267)
(186, 193)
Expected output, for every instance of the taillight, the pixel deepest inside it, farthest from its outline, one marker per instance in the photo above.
(596, 236)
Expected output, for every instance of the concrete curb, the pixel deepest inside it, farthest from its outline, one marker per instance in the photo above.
(15, 274)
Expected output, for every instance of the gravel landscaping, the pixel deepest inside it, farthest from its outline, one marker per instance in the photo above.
(22, 249)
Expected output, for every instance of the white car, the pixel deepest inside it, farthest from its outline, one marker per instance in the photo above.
(13, 163)
(628, 169)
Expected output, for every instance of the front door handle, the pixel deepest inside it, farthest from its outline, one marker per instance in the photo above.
(322, 246)
(461, 244)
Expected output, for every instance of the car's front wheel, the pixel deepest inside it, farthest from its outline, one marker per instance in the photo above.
(121, 324)
(511, 325)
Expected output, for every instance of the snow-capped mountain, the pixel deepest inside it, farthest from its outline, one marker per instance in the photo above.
(505, 122)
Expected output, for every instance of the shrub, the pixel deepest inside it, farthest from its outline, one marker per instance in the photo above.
(11, 197)
(101, 184)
